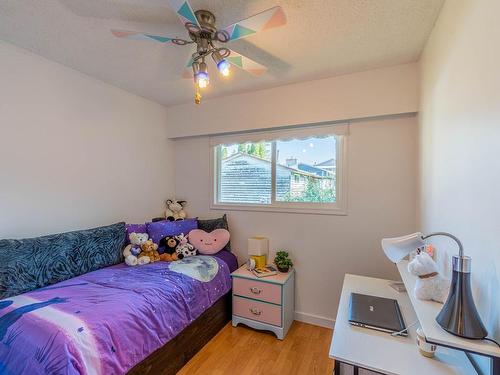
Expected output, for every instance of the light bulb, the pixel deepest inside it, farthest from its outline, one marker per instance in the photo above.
(202, 80)
(202, 83)
(224, 67)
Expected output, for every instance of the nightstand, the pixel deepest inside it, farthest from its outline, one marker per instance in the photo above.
(265, 303)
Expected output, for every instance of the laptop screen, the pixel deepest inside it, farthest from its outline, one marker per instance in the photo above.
(375, 312)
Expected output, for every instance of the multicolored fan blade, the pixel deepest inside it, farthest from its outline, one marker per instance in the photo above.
(184, 11)
(140, 36)
(246, 64)
(265, 20)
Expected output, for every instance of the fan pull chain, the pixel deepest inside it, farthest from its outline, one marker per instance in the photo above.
(197, 95)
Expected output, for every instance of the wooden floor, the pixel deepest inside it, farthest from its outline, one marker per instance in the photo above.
(243, 351)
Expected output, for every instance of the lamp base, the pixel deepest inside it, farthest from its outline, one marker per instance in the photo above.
(459, 315)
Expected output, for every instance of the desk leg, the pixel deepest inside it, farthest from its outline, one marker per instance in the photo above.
(336, 369)
(495, 366)
(355, 369)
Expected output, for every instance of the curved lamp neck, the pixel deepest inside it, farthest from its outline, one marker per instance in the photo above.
(446, 234)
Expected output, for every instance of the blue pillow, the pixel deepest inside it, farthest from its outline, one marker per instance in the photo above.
(32, 263)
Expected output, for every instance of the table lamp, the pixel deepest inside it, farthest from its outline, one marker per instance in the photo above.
(258, 249)
(459, 315)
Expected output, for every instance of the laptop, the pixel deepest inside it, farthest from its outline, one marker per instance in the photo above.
(378, 313)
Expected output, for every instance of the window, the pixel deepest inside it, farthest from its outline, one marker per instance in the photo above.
(298, 170)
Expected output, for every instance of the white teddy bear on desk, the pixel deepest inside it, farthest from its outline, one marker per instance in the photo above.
(430, 284)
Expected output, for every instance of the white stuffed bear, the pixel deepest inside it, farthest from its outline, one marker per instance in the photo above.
(175, 210)
(430, 285)
(132, 250)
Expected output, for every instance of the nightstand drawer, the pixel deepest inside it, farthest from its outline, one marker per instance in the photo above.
(255, 310)
(257, 289)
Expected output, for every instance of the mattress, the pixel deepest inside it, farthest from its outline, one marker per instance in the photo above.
(107, 321)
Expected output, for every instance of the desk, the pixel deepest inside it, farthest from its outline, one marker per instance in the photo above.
(357, 349)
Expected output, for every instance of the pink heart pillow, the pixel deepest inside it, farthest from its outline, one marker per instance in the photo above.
(209, 243)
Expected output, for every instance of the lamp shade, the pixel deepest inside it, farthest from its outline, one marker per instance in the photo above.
(397, 248)
(258, 246)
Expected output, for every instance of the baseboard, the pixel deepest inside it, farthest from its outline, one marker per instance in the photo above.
(313, 319)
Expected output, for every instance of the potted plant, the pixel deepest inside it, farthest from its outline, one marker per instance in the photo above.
(282, 261)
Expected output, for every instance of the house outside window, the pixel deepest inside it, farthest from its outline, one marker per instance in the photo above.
(288, 170)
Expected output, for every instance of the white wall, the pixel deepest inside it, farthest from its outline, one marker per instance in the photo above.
(460, 141)
(381, 202)
(382, 174)
(75, 152)
(372, 93)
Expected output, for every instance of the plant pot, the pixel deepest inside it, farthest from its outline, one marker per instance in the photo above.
(283, 270)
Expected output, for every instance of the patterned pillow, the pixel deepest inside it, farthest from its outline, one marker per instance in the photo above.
(159, 229)
(32, 263)
(212, 224)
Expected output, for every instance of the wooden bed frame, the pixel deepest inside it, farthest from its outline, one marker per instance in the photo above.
(177, 352)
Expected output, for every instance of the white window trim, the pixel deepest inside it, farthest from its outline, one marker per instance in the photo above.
(337, 208)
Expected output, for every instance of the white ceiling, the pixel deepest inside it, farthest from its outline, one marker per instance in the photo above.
(322, 38)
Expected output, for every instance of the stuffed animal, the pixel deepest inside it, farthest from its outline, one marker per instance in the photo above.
(209, 243)
(149, 249)
(169, 245)
(132, 250)
(175, 210)
(430, 284)
(184, 248)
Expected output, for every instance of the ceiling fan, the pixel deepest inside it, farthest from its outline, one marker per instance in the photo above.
(203, 32)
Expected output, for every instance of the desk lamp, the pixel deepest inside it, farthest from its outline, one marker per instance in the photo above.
(459, 315)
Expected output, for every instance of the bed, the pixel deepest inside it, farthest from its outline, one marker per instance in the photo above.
(142, 320)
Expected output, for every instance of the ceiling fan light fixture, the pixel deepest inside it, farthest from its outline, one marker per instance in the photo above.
(222, 64)
(202, 80)
(224, 68)
(200, 71)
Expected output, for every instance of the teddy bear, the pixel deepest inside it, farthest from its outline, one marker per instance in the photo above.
(430, 284)
(168, 245)
(175, 210)
(184, 248)
(149, 249)
(132, 250)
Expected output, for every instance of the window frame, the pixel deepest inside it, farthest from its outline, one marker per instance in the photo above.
(337, 208)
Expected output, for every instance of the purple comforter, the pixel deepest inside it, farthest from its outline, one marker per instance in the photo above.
(106, 321)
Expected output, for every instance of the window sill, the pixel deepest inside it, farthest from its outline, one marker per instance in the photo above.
(338, 211)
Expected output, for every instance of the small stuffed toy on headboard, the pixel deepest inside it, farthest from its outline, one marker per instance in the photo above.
(209, 243)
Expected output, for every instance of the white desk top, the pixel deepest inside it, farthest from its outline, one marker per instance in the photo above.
(428, 310)
(379, 351)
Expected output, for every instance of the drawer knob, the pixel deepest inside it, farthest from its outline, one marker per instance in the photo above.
(255, 290)
(255, 311)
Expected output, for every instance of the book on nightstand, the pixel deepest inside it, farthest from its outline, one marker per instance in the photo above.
(265, 271)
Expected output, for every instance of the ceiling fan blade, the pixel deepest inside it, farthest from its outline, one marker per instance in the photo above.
(246, 64)
(184, 11)
(265, 20)
(140, 36)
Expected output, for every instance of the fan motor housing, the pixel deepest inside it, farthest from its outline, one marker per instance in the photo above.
(206, 19)
(207, 32)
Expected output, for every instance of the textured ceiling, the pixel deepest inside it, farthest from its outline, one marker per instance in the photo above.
(322, 38)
